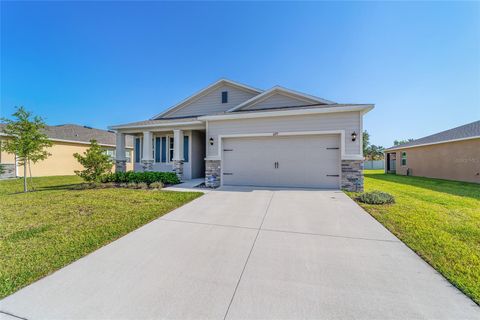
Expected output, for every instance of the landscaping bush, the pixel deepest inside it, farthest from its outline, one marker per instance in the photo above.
(142, 185)
(138, 177)
(132, 185)
(156, 185)
(376, 197)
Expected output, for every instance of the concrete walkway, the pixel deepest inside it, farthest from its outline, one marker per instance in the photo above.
(240, 253)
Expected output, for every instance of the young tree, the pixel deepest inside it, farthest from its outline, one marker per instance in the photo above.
(26, 140)
(2, 170)
(95, 161)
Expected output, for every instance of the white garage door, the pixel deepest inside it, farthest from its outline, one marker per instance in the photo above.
(310, 161)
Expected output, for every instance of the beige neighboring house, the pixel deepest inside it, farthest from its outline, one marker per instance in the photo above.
(233, 134)
(67, 139)
(452, 154)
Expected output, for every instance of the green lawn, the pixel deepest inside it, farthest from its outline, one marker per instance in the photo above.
(438, 219)
(45, 230)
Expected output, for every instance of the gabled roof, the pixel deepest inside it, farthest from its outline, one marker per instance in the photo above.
(81, 134)
(467, 131)
(309, 99)
(205, 91)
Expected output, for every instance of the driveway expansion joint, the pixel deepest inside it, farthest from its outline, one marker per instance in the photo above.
(12, 315)
(210, 224)
(330, 235)
(249, 254)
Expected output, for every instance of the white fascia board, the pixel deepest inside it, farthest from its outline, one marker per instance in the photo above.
(288, 92)
(280, 113)
(431, 143)
(167, 124)
(205, 91)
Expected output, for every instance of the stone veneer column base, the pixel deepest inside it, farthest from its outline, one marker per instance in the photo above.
(120, 165)
(213, 171)
(178, 168)
(352, 175)
(147, 165)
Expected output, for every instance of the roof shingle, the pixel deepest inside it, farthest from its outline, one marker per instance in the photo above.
(469, 130)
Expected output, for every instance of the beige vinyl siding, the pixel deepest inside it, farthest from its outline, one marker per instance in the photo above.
(348, 121)
(212, 102)
(276, 101)
(6, 158)
(61, 160)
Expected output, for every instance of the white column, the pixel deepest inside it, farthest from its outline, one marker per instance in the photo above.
(178, 145)
(147, 146)
(120, 147)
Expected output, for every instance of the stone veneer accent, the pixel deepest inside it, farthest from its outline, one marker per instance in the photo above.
(352, 175)
(147, 165)
(9, 171)
(120, 165)
(178, 168)
(213, 173)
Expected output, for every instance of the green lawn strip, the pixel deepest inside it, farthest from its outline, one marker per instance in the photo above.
(438, 219)
(45, 230)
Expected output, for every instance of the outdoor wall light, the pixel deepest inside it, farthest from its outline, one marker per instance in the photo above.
(354, 136)
(211, 141)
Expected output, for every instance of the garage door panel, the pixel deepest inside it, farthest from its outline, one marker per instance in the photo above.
(303, 161)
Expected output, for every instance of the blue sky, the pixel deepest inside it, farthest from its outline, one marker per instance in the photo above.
(104, 63)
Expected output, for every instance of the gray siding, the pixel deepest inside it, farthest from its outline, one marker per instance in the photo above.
(277, 100)
(348, 121)
(212, 102)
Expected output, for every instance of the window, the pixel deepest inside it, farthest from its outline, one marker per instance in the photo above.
(224, 96)
(127, 156)
(157, 149)
(164, 149)
(404, 158)
(110, 153)
(185, 148)
(138, 149)
(171, 149)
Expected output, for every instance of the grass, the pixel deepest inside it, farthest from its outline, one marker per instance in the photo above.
(438, 219)
(45, 230)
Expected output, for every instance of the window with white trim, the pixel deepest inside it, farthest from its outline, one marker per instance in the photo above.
(404, 158)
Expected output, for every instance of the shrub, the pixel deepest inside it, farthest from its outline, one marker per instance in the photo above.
(142, 185)
(95, 161)
(156, 185)
(376, 197)
(147, 177)
(132, 185)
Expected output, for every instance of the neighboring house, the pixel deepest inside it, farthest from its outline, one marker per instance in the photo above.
(233, 134)
(452, 154)
(67, 139)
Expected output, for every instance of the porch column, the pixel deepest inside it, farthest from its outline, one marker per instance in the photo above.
(178, 152)
(120, 160)
(147, 156)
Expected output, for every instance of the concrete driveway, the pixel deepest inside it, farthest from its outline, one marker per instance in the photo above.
(243, 253)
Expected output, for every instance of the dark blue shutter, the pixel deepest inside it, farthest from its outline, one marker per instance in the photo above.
(164, 149)
(137, 150)
(157, 149)
(185, 148)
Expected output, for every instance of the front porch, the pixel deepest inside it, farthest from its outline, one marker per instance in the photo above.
(178, 149)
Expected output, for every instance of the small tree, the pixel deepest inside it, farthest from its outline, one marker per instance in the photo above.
(2, 170)
(95, 161)
(26, 140)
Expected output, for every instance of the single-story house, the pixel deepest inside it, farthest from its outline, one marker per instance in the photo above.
(234, 134)
(66, 139)
(452, 154)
